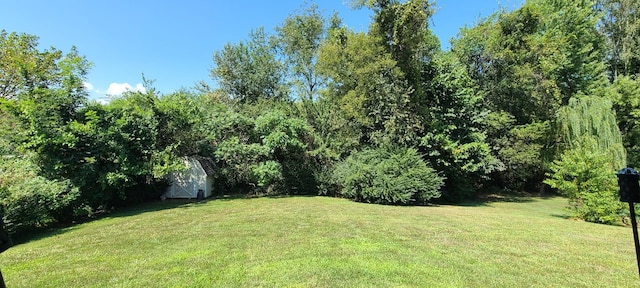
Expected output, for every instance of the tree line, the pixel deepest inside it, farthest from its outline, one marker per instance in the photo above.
(541, 98)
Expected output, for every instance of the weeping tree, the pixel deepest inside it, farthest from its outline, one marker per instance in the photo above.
(592, 152)
(592, 118)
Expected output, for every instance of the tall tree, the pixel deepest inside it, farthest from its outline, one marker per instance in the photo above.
(528, 63)
(24, 68)
(621, 26)
(298, 39)
(624, 92)
(48, 87)
(531, 61)
(368, 86)
(592, 117)
(402, 27)
(250, 71)
(455, 139)
(441, 98)
(594, 151)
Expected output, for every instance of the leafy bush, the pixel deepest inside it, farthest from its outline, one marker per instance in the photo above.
(464, 163)
(268, 175)
(38, 202)
(30, 201)
(238, 159)
(585, 171)
(388, 176)
(589, 182)
(522, 150)
(268, 153)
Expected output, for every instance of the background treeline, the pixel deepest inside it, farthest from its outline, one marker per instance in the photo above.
(544, 97)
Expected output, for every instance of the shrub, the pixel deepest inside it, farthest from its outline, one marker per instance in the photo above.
(388, 176)
(238, 159)
(30, 201)
(521, 148)
(268, 175)
(594, 151)
(37, 203)
(586, 178)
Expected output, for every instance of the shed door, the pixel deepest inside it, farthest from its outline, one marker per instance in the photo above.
(183, 185)
(186, 183)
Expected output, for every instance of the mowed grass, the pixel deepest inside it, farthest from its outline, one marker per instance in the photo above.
(328, 242)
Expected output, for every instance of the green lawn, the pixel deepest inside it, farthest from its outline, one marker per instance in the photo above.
(327, 242)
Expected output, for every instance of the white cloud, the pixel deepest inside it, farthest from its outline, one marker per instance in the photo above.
(95, 94)
(103, 101)
(116, 89)
(88, 86)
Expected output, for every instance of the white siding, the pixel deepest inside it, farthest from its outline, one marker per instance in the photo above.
(185, 184)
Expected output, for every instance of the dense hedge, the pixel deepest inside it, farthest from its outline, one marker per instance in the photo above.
(388, 176)
(30, 201)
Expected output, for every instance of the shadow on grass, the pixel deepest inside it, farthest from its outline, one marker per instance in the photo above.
(487, 199)
(563, 216)
(152, 207)
(132, 210)
(229, 197)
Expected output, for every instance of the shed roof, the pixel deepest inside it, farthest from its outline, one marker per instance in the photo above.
(207, 164)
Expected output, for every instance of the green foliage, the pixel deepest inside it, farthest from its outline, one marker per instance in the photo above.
(298, 39)
(239, 159)
(29, 201)
(113, 153)
(288, 140)
(268, 174)
(180, 118)
(292, 108)
(134, 147)
(531, 61)
(625, 95)
(336, 135)
(427, 99)
(283, 136)
(621, 26)
(368, 87)
(38, 203)
(584, 175)
(268, 152)
(522, 149)
(455, 141)
(250, 71)
(592, 119)
(388, 176)
(24, 69)
(528, 64)
(47, 87)
(402, 29)
(10, 128)
(585, 171)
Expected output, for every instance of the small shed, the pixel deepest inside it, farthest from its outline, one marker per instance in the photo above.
(186, 183)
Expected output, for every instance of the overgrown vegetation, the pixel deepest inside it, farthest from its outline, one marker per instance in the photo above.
(382, 116)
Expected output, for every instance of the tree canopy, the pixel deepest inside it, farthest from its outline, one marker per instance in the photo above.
(523, 101)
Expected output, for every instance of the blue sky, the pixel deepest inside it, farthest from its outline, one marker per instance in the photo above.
(172, 42)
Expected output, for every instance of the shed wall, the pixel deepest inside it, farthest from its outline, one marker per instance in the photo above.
(185, 184)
